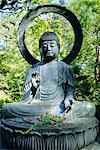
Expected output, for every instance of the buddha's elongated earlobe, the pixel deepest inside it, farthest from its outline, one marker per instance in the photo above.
(41, 53)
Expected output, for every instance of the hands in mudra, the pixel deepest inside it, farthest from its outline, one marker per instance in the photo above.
(35, 79)
(68, 103)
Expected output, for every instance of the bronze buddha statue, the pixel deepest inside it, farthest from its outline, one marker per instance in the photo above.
(49, 86)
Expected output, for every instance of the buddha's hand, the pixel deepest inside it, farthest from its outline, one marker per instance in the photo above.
(68, 103)
(35, 79)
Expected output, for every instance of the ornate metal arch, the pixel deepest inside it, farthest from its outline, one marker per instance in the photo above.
(61, 10)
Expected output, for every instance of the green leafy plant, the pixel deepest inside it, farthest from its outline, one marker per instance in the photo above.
(47, 120)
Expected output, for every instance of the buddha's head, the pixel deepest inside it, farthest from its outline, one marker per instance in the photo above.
(49, 46)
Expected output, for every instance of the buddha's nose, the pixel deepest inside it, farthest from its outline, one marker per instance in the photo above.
(49, 48)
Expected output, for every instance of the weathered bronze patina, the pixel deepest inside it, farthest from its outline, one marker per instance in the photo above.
(49, 87)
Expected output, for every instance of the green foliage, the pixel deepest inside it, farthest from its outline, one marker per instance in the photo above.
(12, 76)
(87, 11)
(46, 120)
(85, 87)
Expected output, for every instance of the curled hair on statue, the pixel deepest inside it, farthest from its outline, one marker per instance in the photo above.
(41, 53)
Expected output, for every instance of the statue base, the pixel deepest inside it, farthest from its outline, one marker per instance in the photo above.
(75, 135)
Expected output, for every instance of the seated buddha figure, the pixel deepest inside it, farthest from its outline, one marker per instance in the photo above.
(49, 86)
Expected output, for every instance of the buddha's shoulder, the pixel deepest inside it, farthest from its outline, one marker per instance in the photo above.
(34, 66)
(63, 65)
(37, 65)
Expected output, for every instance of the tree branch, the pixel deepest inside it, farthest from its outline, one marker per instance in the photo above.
(3, 4)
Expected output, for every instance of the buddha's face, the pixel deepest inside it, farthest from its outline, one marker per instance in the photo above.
(49, 49)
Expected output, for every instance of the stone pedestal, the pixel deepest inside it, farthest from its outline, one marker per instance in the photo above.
(74, 135)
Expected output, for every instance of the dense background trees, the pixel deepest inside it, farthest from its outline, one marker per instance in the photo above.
(85, 66)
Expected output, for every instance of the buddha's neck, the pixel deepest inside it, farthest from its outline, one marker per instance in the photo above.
(47, 60)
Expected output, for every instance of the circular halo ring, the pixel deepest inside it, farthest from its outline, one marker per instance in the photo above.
(40, 9)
